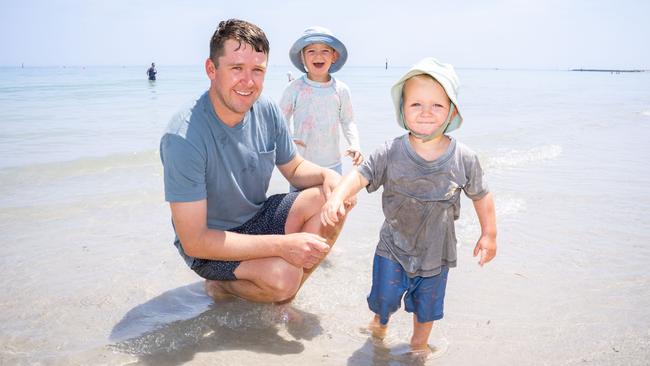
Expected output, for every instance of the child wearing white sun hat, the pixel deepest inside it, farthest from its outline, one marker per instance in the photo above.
(422, 174)
(316, 105)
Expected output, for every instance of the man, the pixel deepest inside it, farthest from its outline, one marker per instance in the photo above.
(152, 72)
(218, 158)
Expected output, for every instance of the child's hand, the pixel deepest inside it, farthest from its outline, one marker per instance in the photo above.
(300, 143)
(357, 157)
(330, 211)
(487, 247)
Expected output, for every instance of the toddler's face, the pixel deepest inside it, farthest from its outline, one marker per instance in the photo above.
(425, 104)
(318, 58)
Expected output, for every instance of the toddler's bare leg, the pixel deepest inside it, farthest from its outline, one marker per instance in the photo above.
(377, 329)
(420, 338)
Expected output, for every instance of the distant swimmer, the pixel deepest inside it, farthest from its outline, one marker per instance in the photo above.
(152, 72)
(289, 76)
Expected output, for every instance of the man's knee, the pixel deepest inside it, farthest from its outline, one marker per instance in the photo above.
(307, 205)
(313, 198)
(284, 282)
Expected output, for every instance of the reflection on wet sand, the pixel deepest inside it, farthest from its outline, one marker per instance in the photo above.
(201, 325)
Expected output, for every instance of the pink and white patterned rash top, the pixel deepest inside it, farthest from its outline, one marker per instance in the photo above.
(314, 111)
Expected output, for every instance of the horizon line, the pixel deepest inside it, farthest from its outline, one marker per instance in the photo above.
(608, 69)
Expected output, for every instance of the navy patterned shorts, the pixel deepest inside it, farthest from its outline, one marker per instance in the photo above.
(269, 220)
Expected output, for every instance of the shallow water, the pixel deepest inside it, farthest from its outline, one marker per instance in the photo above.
(89, 275)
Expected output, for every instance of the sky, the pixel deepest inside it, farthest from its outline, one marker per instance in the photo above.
(527, 34)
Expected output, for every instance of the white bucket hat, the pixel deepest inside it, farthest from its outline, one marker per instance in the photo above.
(444, 74)
(313, 35)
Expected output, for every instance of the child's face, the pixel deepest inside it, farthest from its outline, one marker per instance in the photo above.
(318, 58)
(425, 104)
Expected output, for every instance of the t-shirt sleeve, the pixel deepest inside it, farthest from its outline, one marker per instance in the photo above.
(285, 149)
(184, 170)
(374, 168)
(476, 186)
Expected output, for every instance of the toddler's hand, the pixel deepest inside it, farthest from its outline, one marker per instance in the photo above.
(357, 157)
(487, 247)
(330, 211)
(299, 143)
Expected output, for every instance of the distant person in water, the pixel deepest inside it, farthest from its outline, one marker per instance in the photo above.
(152, 72)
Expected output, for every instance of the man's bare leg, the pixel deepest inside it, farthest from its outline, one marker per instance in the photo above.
(259, 280)
(274, 279)
(304, 216)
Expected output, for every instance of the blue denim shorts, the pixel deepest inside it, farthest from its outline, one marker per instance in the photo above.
(269, 220)
(424, 296)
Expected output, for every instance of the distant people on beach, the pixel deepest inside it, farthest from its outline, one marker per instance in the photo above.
(151, 72)
(422, 174)
(316, 104)
(218, 157)
(289, 76)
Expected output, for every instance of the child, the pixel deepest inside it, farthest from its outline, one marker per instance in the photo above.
(318, 102)
(422, 173)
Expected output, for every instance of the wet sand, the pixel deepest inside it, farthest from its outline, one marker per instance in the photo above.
(104, 285)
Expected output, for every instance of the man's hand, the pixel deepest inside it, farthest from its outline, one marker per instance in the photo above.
(304, 250)
(357, 157)
(330, 180)
(487, 247)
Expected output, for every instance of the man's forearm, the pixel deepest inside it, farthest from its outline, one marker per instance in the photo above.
(229, 246)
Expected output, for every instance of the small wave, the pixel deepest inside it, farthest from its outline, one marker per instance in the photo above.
(46, 172)
(514, 158)
(510, 206)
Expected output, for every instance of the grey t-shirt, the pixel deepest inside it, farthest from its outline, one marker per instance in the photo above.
(421, 200)
(229, 166)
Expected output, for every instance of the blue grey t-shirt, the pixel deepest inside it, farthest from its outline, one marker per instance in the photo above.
(229, 166)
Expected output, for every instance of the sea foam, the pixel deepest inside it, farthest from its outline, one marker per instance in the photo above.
(513, 158)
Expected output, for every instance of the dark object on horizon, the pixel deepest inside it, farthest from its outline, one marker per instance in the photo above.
(152, 72)
(386, 64)
(607, 70)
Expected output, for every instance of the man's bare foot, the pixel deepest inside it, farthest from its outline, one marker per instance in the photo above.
(287, 314)
(215, 290)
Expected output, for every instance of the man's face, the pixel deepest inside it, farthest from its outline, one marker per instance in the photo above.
(238, 80)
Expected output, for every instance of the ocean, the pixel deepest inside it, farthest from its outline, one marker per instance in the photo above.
(89, 274)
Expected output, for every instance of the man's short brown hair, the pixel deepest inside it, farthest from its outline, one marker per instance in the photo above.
(238, 30)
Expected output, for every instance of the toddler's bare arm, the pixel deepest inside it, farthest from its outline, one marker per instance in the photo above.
(487, 243)
(349, 186)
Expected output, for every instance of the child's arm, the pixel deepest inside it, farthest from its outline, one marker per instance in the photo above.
(348, 126)
(350, 185)
(487, 243)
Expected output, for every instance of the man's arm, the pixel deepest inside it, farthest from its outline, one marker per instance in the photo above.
(302, 173)
(487, 243)
(299, 249)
